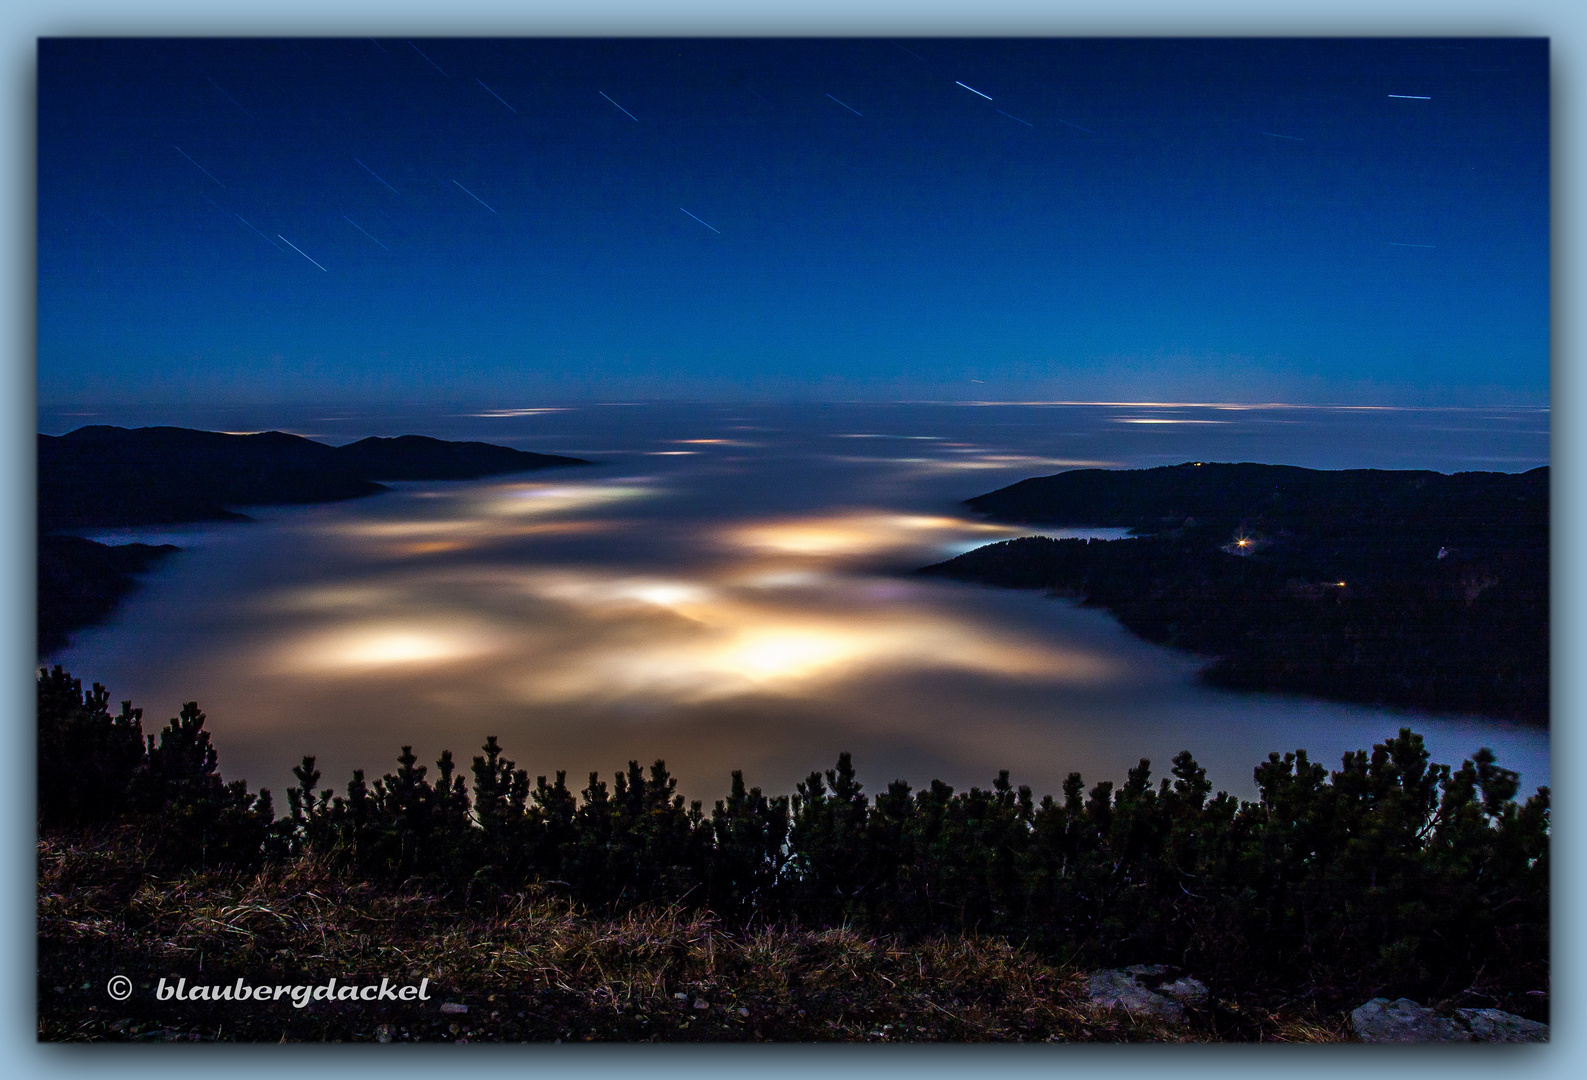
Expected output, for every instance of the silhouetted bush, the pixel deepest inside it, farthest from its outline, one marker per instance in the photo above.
(89, 760)
(95, 768)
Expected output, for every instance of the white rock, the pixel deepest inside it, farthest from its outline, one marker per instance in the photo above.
(1492, 1025)
(1383, 1021)
(1114, 989)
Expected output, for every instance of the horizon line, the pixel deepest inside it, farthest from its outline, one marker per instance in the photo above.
(567, 404)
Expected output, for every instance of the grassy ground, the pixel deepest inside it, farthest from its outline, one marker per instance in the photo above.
(532, 969)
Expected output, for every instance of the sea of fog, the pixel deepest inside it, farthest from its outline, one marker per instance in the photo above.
(727, 589)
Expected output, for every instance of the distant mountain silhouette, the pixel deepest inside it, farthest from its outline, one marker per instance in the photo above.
(1404, 588)
(98, 477)
(1471, 504)
(108, 477)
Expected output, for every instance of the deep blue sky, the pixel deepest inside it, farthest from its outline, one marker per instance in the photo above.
(1203, 220)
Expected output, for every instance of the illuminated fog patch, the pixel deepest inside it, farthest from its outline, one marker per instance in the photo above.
(332, 598)
(971, 460)
(603, 591)
(354, 648)
(777, 653)
(855, 533)
(785, 579)
(728, 634)
(413, 539)
(511, 500)
(431, 547)
(419, 527)
(729, 648)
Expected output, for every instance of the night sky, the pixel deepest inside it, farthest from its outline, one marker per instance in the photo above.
(510, 221)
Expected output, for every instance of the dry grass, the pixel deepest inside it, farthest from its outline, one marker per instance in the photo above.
(532, 968)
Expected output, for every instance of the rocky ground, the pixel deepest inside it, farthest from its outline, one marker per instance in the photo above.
(1383, 1021)
(1165, 992)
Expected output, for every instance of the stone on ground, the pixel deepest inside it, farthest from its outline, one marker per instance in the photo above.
(1148, 989)
(1383, 1021)
(1492, 1025)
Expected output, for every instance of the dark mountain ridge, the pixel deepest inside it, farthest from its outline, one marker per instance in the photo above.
(1148, 500)
(98, 477)
(1410, 589)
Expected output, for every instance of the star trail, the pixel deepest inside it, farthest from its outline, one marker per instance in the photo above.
(923, 218)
